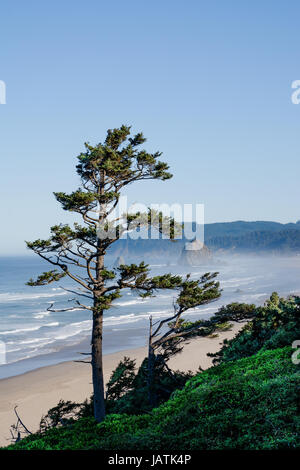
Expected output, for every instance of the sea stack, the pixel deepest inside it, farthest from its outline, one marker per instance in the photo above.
(194, 253)
(120, 260)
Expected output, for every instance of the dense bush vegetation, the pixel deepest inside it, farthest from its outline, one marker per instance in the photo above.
(250, 400)
(274, 325)
(251, 403)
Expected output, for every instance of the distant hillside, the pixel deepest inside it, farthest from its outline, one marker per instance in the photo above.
(241, 227)
(282, 241)
(238, 236)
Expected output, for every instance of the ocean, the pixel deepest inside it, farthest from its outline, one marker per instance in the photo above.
(34, 337)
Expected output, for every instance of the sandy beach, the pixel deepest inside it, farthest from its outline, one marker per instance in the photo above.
(36, 391)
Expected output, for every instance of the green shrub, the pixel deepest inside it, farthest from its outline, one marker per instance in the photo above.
(275, 325)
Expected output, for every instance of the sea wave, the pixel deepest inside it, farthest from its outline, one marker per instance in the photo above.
(25, 330)
(236, 282)
(40, 314)
(72, 329)
(11, 297)
(255, 296)
(135, 317)
(130, 302)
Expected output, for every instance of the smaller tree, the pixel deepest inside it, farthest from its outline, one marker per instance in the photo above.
(163, 344)
(60, 415)
(237, 312)
(121, 379)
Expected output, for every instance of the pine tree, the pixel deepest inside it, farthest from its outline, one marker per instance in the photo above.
(105, 170)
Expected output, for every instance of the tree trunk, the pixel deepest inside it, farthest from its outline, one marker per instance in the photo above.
(97, 361)
(151, 367)
(97, 365)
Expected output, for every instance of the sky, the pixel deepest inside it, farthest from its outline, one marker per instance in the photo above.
(208, 82)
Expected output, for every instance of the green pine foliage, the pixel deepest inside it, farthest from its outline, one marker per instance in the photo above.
(121, 380)
(127, 391)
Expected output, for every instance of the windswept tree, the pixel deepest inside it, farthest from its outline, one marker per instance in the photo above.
(78, 252)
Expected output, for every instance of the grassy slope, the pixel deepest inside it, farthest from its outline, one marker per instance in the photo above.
(251, 403)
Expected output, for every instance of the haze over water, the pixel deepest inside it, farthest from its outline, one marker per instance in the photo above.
(31, 333)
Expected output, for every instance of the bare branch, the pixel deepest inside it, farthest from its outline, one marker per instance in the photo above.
(60, 310)
(76, 293)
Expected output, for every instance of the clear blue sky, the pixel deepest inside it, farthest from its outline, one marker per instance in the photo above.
(208, 82)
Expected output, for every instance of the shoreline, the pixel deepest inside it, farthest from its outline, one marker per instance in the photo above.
(35, 392)
(129, 339)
